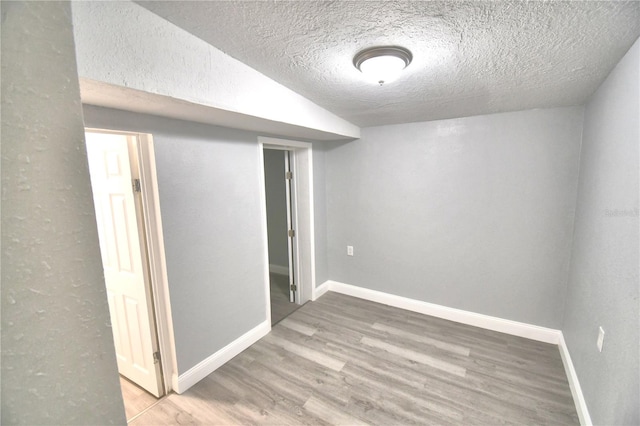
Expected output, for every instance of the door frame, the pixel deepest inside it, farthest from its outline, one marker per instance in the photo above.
(302, 167)
(156, 253)
(290, 206)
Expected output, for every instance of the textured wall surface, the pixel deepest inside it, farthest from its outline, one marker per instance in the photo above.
(470, 57)
(209, 187)
(473, 213)
(126, 46)
(604, 286)
(276, 207)
(58, 359)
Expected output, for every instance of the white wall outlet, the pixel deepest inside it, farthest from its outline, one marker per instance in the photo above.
(600, 338)
(349, 250)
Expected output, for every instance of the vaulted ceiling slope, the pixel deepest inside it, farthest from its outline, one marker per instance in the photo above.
(470, 58)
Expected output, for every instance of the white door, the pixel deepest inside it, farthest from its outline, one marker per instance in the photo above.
(290, 226)
(113, 166)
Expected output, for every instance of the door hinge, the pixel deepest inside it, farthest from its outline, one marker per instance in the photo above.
(156, 357)
(136, 185)
(291, 233)
(294, 287)
(288, 175)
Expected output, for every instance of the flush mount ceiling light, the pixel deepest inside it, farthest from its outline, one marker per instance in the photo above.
(382, 64)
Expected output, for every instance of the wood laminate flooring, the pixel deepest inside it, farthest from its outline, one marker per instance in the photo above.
(342, 360)
(136, 399)
(280, 305)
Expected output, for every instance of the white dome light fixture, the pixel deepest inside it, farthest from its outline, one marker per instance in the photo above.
(382, 64)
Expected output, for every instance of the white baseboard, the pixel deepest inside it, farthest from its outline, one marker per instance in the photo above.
(534, 332)
(215, 361)
(321, 289)
(574, 384)
(279, 269)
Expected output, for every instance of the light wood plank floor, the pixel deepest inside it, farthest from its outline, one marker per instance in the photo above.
(280, 305)
(136, 399)
(342, 360)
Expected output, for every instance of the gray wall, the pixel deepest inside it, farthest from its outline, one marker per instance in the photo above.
(603, 288)
(276, 207)
(208, 180)
(473, 213)
(58, 359)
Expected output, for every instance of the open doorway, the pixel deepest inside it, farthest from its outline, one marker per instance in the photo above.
(288, 199)
(281, 232)
(127, 217)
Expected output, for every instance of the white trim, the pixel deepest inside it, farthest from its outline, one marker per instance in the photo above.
(215, 361)
(278, 269)
(312, 234)
(515, 328)
(265, 234)
(574, 384)
(174, 381)
(157, 259)
(303, 197)
(293, 254)
(282, 144)
(320, 290)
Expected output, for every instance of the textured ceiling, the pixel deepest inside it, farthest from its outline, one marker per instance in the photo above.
(470, 58)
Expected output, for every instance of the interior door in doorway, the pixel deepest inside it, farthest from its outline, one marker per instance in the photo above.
(290, 225)
(114, 169)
